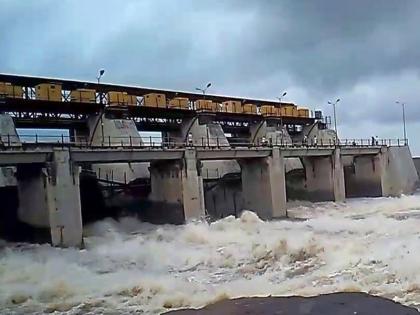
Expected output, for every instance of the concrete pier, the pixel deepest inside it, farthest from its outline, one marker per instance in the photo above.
(264, 186)
(49, 197)
(178, 185)
(389, 173)
(325, 177)
(113, 133)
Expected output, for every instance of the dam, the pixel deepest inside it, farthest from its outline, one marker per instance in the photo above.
(214, 156)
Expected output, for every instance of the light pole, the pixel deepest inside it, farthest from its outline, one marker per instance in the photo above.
(335, 116)
(100, 74)
(281, 97)
(403, 116)
(281, 117)
(205, 89)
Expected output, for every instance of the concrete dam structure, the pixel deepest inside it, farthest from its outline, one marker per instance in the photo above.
(204, 163)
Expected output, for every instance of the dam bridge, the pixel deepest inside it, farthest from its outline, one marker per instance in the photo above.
(277, 152)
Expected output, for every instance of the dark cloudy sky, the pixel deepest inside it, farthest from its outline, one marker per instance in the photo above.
(367, 52)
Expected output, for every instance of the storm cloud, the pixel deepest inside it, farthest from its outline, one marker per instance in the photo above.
(366, 52)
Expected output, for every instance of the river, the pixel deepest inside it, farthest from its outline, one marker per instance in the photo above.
(130, 267)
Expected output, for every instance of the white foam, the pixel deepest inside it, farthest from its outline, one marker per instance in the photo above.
(370, 245)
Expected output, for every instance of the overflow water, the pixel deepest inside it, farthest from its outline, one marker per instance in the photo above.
(129, 267)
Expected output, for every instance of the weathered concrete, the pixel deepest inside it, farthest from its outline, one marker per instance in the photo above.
(179, 185)
(50, 197)
(9, 137)
(324, 178)
(207, 134)
(223, 196)
(390, 173)
(400, 173)
(416, 161)
(323, 136)
(363, 177)
(264, 186)
(112, 133)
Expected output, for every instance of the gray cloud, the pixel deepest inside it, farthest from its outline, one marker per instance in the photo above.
(366, 52)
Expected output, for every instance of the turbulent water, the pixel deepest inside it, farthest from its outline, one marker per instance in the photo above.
(129, 267)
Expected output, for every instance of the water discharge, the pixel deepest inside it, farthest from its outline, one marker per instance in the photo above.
(129, 267)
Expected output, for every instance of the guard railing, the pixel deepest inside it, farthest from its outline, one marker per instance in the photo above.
(9, 140)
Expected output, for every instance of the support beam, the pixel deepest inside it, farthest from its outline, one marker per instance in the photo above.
(49, 197)
(178, 186)
(264, 186)
(324, 178)
(63, 200)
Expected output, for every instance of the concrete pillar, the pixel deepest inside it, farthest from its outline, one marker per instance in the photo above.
(63, 200)
(179, 186)
(264, 185)
(389, 173)
(325, 177)
(9, 138)
(364, 176)
(49, 197)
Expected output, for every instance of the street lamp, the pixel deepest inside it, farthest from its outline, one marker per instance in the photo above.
(205, 89)
(100, 74)
(281, 97)
(403, 116)
(281, 117)
(335, 117)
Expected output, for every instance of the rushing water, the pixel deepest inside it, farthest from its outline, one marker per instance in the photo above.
(129, 267)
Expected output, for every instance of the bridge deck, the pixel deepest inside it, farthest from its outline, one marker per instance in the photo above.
(42, 153)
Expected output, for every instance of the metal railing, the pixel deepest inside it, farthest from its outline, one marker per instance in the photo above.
(173, 143)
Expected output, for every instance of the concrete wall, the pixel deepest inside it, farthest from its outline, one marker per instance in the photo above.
(324, 178)
(207, 134)
(104, 131)
(401, 176)
(416, 161)
(33, 208)
(363, 177)
(223, 197)
(49, 197)
(264, 186)
(8, 136)
(390, 173)
(179, 186)
(275, 134)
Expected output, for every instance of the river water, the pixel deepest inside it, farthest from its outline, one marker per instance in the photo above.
(129, 267)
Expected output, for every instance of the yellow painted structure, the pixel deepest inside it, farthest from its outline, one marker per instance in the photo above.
(154, 100)
(130, 100)
(303, 112)
(206, 105)
(232, 107)
(269, 110)
(179, 102)
(49, 92)
(83, 96)
(250, 109)
(10, 90)
(116, 98)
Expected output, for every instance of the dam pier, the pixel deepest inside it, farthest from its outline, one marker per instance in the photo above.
(209, 157)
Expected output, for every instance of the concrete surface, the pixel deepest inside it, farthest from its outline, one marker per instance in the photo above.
(264, 186)
(120, 131)
(324, 178)
(179, 185)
